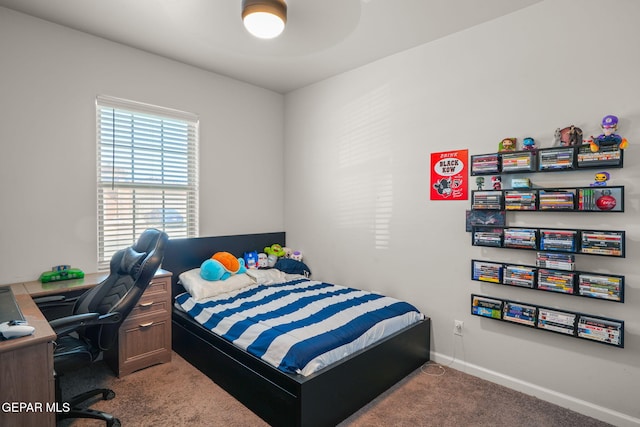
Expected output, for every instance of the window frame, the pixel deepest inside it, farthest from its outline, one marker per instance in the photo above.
(161, 181)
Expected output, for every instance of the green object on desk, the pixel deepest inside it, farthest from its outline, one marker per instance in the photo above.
(55, 276)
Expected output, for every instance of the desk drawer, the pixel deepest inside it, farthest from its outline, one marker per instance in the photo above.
(144, 338)
(144, 343)
(158, 285)
(152, 304)
(155, 300)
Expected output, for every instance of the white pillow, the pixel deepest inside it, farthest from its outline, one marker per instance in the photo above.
(270, 276)
(200, 288)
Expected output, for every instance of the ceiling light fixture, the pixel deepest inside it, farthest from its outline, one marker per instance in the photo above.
(264, 19)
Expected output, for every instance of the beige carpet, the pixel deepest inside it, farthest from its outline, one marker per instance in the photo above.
(177, 394)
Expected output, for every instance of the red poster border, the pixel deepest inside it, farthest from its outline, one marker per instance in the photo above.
(450, 175)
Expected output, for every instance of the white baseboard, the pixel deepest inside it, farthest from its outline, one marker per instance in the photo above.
(581, 406)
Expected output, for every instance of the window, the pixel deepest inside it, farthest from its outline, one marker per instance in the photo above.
(147, 173)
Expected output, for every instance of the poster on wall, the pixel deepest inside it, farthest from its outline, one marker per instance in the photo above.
(449, 175)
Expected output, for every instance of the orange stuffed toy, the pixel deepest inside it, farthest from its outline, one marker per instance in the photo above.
(221, 266)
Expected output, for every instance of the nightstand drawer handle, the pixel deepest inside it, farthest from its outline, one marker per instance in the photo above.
(146, 325)
(146, 304)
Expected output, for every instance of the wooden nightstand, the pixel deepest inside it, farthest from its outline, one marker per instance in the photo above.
(145, 336)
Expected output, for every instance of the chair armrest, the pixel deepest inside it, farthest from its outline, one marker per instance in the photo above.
(56, 306)
(66, 325)
(55, 301)
(50, 299)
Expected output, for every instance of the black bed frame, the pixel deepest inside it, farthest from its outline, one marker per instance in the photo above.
(321, 399)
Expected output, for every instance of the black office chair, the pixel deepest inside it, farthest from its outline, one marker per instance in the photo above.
(97, 315)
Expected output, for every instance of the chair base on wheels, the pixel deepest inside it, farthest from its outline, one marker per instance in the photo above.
(75, 411)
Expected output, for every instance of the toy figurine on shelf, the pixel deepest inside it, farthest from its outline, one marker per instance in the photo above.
(570, 135)
(507, 144)
(529, 144)
(496, 181)
(556, 138)
(480, 182)
(608, 137)
(601, 179)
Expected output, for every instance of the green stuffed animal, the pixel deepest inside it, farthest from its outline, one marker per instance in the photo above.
(274, 249)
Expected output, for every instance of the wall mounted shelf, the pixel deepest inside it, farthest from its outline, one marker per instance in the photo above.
(551, 159)
(585, 242)
(607, 287)
(557, 199)
(579, 325)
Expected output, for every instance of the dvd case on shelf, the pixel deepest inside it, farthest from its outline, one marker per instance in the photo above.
(485, 164)
(486, 271)
(609, 243)
(556, 200)
(608, 331)
(524, 238)
(610, 155)
(517, 161)
(601, 286)
(556, 281)
(489, 199)
(520, 200)
(486, 307)
(557, 321)
(555, 260)
(519, 183)
(519, 313)
(555, 158)
(487, 236)
(558, 240)
(519, 275)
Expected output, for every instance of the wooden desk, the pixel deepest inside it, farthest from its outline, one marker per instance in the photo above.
(144, 338)
(38, 289)
(26, 363)
(26, 370)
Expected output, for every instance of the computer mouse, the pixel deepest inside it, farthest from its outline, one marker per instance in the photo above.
(9, 331)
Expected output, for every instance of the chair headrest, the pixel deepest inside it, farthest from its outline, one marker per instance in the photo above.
(131, 262)
(148, 240)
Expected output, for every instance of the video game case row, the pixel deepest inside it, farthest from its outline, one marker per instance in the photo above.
(580, 325)
(581, 199)
(609, 287)
(546, 160)
(588, 242)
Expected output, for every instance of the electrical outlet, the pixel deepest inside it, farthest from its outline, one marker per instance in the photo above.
(457, 327)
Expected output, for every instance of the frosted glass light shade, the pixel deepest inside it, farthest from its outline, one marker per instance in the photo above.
(264, 19)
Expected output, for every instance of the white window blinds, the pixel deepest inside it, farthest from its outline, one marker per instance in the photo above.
(147, 173)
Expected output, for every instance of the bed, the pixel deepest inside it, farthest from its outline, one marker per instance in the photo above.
(323, 398)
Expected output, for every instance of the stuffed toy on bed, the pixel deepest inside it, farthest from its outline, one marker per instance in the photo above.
(275, 249)
(221, 266)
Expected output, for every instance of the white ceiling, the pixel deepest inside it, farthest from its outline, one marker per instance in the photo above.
(322, 38)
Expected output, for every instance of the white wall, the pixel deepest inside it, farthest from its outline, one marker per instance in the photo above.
(356, 166)
(357, 149)
(49, 79)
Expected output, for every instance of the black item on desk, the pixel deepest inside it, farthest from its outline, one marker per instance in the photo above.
(9, 309)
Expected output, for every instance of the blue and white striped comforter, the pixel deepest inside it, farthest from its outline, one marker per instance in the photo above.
(300, 326)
